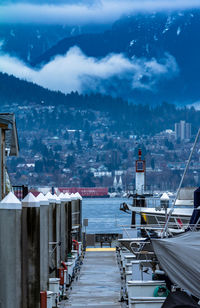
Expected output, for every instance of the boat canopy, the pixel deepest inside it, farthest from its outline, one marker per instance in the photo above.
(179, 258)
(179, 299)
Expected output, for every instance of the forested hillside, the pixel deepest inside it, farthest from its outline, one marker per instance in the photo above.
(142, 119)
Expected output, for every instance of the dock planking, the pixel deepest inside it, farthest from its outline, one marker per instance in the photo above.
(99, 282)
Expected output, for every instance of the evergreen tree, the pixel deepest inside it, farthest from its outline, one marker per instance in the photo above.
(90, 142)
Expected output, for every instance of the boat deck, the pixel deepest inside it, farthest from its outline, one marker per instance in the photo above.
(99, 282)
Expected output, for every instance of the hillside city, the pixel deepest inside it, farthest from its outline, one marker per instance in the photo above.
(96, 156)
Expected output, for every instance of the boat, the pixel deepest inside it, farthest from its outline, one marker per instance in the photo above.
(157, 216)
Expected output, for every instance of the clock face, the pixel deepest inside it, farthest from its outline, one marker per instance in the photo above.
(140, 166)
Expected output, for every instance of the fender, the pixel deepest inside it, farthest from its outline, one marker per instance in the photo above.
(75, 245)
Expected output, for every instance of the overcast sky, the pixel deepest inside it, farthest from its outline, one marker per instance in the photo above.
(84, 12)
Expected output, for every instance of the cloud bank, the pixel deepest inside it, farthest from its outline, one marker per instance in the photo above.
(99, 12)
(112, 75)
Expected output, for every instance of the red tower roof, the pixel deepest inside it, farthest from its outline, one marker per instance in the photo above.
(139, 153)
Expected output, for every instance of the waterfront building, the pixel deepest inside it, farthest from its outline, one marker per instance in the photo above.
(183, 130)
(115, 183)
(120, 184)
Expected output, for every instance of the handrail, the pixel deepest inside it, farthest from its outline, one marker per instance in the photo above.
(148, 225)
(183, 227)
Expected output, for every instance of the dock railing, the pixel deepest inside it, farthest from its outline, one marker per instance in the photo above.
(173, 229)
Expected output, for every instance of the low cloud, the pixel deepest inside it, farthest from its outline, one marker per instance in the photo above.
(112, 75)
(99, 12)
(196, 105)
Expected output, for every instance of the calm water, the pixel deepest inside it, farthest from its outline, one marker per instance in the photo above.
(104, 215)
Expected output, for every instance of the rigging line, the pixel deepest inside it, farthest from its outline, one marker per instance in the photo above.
(181, 182)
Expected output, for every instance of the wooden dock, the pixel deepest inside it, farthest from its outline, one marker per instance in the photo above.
(99, 282)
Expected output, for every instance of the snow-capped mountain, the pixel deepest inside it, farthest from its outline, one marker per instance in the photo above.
(155, 36)
(141, 35)
(148, 36)
(28, 42)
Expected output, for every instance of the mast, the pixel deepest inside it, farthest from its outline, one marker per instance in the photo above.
(181, 182)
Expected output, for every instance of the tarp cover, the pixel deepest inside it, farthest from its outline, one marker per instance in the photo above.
(179, 257)
(179, 299)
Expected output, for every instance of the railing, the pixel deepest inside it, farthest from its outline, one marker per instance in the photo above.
(152, 202)
(102, 238)
(172, 228)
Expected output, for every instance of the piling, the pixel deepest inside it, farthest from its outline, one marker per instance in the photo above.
(58, 231)
(10, 252)
(79, 216)
(54, 234)
(44, 241)
(30, 252)
(63, 226)
(75, 216)
(68, 225)
(74, 209)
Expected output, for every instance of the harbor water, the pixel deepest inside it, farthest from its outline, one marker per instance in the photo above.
(104, 215)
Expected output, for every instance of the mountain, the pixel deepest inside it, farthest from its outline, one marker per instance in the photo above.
(148, 36)
(16, 91)
(28, 42)
(16, 94)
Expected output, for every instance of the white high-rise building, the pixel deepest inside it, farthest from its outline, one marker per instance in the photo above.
(182, 130)
(120, 184)
(115, 183)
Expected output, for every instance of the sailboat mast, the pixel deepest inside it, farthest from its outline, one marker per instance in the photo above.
(181, 182)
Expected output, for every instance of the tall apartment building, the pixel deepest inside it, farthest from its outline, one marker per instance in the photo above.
(183, 130)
